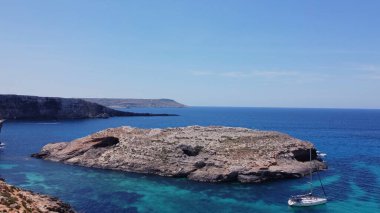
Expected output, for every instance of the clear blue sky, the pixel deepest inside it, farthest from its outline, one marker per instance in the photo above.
(314, 53)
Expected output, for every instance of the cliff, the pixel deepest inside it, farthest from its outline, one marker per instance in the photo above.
(210, 154)
(33, 107)
(128, 103)
(13, 199)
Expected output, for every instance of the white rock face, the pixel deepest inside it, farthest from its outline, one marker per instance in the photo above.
(210, 154)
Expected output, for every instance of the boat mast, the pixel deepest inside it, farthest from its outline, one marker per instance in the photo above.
(1, 123)
(311, 176)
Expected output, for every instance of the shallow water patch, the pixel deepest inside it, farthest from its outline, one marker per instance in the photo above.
(7, 166)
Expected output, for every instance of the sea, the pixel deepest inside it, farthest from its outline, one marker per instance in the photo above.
(349, 137)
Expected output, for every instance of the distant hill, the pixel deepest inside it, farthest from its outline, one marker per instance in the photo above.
(34, 107)
(128, 103)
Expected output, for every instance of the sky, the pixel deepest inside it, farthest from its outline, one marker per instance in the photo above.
(249, 53)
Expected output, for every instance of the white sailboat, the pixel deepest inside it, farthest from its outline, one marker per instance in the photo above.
(1, 123)
(308, 199)
(2, 145)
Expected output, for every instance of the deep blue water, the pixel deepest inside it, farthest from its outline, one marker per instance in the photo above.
(351, 139)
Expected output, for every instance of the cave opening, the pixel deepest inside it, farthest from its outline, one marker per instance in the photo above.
(303, 155)
(105, 142)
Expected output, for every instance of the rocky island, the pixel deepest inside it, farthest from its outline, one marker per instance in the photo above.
(209, 154)
(13, 199)
(33, 107)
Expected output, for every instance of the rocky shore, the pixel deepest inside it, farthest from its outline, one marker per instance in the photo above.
(14, 200)
(209, 154)
(33, 107)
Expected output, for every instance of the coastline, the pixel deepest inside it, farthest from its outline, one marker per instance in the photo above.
(14, 199)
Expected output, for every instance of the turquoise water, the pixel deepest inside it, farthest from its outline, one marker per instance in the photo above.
(351, 138)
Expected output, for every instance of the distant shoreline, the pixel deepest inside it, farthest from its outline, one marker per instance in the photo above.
(117, 103)
(16, 107)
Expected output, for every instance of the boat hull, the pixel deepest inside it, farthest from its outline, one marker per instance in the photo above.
(311, 201)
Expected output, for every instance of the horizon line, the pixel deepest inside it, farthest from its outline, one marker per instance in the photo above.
(221, 106)
(281, 107)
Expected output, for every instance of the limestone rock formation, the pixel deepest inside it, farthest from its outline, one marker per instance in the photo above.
(210, 154)
(33, 107)
(13, 199)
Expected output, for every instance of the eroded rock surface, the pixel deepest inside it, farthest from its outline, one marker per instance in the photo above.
(210, 154)
(14, 200)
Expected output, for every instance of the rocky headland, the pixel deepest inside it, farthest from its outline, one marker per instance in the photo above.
(131, 102)
(33, 107)
(14, 200)
(209, 154)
